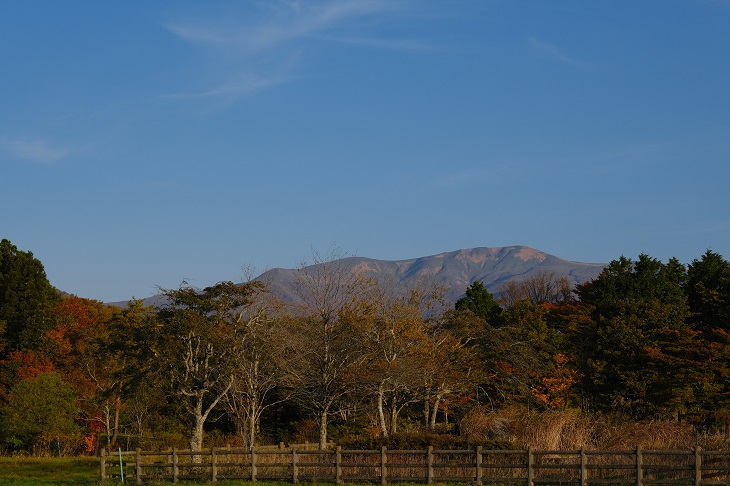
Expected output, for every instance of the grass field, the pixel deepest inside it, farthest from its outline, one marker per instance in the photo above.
(68, 471)
(27, 471)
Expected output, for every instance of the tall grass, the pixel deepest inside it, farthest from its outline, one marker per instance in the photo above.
(573, 429)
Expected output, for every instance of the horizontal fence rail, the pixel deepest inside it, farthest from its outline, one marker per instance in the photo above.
(637, 467)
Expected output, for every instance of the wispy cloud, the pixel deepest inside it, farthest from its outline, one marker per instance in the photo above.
(247, 84)
(291, 22)
(34, 150)
(259, 51)
(552, 52)
(405, 45)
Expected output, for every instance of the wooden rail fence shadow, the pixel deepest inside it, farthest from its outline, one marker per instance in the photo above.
(529, 467)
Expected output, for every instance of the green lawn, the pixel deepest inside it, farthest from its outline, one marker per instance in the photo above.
(27, 471)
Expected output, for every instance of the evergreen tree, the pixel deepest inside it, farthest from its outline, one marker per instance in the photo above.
(708, 292)
(638, 330)
(479, 301)
(26, 300)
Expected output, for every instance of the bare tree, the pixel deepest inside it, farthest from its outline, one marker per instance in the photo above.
(447, 371)
(195, 346)
(324, 341)
(257, 369)
(395, 336)
(542, 287)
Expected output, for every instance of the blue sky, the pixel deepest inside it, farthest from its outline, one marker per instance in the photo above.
(147, 143)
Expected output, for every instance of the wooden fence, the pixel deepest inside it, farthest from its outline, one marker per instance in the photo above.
(636, 467)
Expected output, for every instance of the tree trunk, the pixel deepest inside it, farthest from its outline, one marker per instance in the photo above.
(253, 405)
(252, 426)
(323, 429)
(381, 412)
(393, 417)
(434, 411)
(196, 438)
(117, 406)
(426, 411)
(196, 433)
(108, 428)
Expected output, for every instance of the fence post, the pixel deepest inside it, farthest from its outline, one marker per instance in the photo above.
(383, 465)
(639, 467)
(338, 465)
(583, 467)
(294, 468)
(698, 466)
(138, 465)
(479, 465)
(253, 465)
(429, 465)
(168, 458)
(530, 467)
(213, 466)
(175, 468)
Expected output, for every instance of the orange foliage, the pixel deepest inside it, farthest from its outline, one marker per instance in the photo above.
(554, 390)
(27, 364)
(90, 443)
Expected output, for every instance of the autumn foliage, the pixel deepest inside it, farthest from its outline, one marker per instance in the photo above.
(643, 350)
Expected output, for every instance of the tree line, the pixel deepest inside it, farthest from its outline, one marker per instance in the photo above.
(357, 356)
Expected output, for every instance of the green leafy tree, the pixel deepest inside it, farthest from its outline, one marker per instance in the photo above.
(39, 411)
(26, 299)
(73, 344)
(517, 353)
(479, 301)
(129, 366)
(638, 318)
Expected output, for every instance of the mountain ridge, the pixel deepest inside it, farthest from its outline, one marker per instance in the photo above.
(454, 270)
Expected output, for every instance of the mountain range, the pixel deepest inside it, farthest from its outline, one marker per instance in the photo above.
(454, 270)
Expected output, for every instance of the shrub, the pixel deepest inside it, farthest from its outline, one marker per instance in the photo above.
(39, 416)
(416, 441)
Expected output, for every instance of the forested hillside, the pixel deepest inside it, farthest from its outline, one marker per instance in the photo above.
(356, 358)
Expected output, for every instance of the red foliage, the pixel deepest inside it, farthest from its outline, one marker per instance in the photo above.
(27, 364)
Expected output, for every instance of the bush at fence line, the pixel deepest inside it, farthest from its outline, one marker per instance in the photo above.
(479, 426)
(357, 429)
(305, 430)
(573, 429)
(160, 441)
(554, 430)
(61, 445)
(216, 438)
(413, 441)
(717, 436)
(615, 431)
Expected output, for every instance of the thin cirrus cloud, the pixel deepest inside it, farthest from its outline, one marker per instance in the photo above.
(553, 53)
(244, 84)
(283, 26)
(266, 52)
(34, 150)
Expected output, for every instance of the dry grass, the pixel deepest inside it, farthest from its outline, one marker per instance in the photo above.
(572, 429)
